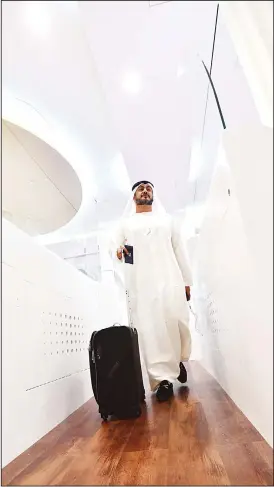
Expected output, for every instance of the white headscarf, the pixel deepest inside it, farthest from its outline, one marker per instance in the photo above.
(157, 207)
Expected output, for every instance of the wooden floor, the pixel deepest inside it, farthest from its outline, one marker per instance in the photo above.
(199, 438)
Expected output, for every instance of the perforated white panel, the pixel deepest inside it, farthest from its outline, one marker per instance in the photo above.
(50, 310)
(65, 336)
(58, 344)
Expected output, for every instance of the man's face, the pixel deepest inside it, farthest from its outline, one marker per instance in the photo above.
(144, 195)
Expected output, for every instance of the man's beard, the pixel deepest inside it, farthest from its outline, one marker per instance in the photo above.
(144, 202)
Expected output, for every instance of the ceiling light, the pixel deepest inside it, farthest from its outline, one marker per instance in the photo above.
(132, 82)
(180, 71)
(37, 18)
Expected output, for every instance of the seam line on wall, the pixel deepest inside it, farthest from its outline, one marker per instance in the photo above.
(55, 380)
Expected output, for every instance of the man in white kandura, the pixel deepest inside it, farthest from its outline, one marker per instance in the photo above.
(158, 285)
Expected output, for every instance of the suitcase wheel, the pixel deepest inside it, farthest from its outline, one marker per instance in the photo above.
(138, 413)
(104, 415)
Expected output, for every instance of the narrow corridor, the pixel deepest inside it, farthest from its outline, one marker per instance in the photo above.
(137, 124)
(199, 438)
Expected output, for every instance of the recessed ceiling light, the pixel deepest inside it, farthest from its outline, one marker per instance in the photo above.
(37, 18)
(180, 71)
(132, 82)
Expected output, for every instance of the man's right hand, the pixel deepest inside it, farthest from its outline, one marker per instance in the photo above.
(120, 251)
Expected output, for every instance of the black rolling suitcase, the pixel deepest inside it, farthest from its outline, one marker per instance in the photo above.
(116, 373)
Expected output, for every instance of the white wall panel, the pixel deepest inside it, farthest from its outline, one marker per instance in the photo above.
(230, 80)
(250, 154)
(49, 312)
(234, 280)
(234, 263)
(251, 28)
(82, 253)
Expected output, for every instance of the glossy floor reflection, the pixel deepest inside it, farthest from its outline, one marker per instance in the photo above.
(199, 438)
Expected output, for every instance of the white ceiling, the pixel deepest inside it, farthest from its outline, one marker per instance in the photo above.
(68, 60)
(41, 191)
(156, 127)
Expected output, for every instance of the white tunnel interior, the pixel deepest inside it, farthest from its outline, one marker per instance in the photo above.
(98, 95)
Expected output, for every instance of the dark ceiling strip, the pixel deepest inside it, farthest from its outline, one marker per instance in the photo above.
(207, 94)
(211, 65)
(215, 95)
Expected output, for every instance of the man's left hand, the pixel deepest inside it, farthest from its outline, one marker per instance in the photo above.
(188, 294)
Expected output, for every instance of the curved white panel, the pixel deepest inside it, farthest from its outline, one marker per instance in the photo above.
(41, 191)
(50, 69)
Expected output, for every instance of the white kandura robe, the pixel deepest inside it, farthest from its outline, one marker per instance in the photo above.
(156, 290)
